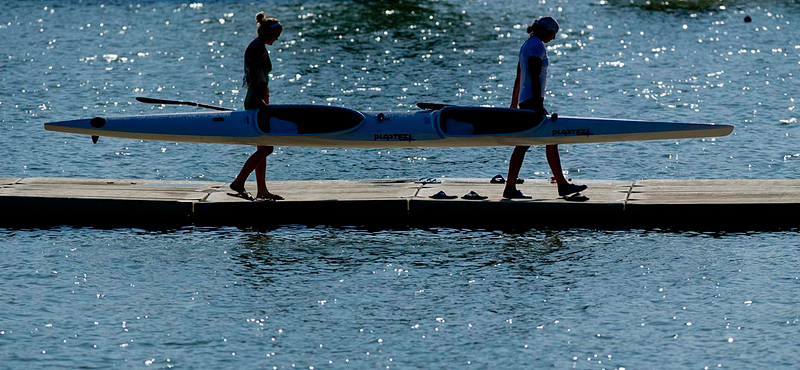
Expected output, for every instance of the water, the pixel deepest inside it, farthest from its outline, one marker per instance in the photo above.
(337, 298)
(300, 297)
(79, 59)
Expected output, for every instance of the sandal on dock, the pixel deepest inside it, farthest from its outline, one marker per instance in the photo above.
(442, 195)
(474, 196)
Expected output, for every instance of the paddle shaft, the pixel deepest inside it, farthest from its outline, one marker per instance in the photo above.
(177, 102)
(431, 106)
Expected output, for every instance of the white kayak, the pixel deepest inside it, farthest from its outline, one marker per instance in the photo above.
(325, 126)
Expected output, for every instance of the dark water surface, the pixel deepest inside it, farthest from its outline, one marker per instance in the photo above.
(299, 297)
(336, 298)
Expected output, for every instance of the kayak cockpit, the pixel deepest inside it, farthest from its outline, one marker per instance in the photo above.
(307, 119)
(458, 121)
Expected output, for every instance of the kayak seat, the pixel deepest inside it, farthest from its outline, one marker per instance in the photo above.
(456, 127)
(306, 119)
(279, 126)
(458, 121)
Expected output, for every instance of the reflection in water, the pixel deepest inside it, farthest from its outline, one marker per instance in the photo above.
(307, 296)
(310, 251)
(345, 272)
(275, 259)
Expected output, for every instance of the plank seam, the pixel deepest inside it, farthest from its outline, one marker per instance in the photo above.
(418, 189)
(628, 195)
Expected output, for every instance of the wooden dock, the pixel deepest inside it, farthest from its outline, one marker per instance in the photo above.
(699, 205)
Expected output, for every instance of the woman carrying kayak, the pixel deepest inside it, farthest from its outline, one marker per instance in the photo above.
(257, 66)
(529, 91)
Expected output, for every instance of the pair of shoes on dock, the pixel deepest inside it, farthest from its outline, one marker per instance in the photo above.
(469, 196)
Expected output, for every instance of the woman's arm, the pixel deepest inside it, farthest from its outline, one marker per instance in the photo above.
(534, 70)
(257, 79)
(515, 94)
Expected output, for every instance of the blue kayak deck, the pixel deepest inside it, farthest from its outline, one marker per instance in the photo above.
(698, 205)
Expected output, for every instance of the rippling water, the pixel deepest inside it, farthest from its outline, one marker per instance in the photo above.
(334, 298)
(698, 63)
(340, 298)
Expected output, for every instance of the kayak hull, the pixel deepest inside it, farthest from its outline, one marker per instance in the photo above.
(324, 126)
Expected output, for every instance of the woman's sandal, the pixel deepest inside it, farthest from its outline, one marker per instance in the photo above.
(240, 192)
(269, 198)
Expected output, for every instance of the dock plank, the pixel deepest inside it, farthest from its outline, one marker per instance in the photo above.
(712, 205)
(715, 191)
